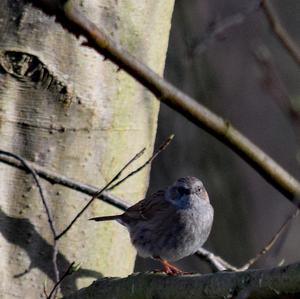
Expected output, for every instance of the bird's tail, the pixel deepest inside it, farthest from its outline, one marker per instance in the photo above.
(106, 218)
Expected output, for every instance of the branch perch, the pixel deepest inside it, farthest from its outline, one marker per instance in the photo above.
(78, 24)
(281, 282)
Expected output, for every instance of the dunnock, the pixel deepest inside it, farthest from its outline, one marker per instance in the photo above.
(169, 224)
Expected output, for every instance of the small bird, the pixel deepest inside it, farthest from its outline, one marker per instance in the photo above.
(170, 224)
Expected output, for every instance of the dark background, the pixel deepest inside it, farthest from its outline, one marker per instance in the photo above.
(246, 76)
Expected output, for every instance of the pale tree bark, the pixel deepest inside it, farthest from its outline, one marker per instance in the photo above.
(66, 109)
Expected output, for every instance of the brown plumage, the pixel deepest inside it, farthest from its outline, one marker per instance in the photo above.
(169, 224)
(142, 210)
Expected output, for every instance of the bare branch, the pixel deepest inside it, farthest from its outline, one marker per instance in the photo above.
(55, 178)
(99, 192)
(280, 32)
(78, 24)
(280, 282)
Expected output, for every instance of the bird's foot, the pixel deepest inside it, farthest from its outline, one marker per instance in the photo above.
(170, 269)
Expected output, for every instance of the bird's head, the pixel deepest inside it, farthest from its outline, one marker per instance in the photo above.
(187, 191)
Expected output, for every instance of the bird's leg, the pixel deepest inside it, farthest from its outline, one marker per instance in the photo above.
(169, 268)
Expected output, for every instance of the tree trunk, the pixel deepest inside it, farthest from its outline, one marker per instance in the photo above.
(67, 109)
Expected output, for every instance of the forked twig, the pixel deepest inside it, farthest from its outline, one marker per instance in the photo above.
(98, 193)
(161, 148)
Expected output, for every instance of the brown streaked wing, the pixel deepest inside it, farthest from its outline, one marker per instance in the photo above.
(146, 208)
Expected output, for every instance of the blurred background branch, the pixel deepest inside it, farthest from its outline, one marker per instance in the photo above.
(282, 35)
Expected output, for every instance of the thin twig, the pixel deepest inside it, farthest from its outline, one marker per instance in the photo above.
(55, 287)
(219, 29)
(78, 24)
(280, 32)
(98, 193)
(271, 243)
(50, 218)
(162, 147)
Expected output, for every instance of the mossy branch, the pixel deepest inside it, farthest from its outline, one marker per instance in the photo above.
(281, 282)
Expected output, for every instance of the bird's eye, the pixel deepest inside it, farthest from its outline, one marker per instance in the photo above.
(202, 193)
(183, 191)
